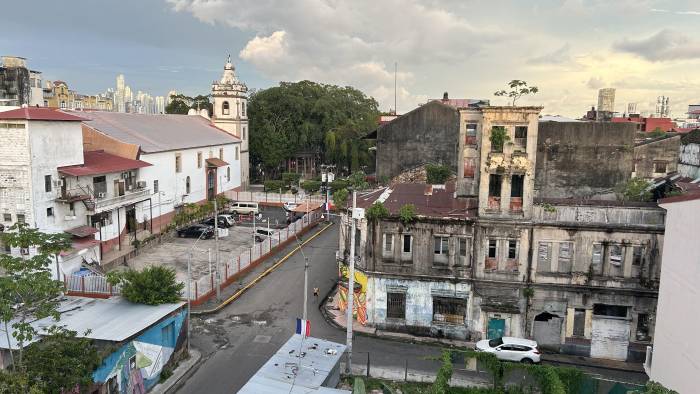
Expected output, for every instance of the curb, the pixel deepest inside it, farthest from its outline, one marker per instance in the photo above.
(178, 374)
(252, 283)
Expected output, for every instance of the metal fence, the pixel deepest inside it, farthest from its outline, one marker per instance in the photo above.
(274, 197)
(90, 284)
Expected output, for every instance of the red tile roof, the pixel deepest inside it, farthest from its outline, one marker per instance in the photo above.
(215, 162)
(39, 113)
(99, 162)
(82, 231)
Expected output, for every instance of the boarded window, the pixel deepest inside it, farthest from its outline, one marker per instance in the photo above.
(543, 256)
(469, 167)
(565, 250)
(396, 305)
(597, 259)
(579, 322)
(449, 310)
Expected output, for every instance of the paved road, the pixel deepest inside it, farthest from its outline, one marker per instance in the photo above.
(238, 340)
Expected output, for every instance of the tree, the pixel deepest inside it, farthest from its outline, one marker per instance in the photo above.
(358, 180)
(636, 189)
(518, 89)
(18, 382)
(177, 107)
(61, 361)
(498, 138)
(340, 198)
(27, 290)
(154, 285)
(181, 104)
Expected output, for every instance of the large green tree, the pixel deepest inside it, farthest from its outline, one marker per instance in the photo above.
(181, 104)
(307, 116)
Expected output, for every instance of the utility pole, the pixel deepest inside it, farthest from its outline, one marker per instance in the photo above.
(351, 284)
(306, 267)
(189, 296)
(216, 243)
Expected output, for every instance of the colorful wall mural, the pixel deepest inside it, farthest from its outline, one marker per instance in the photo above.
(359, 311)
(136, 366)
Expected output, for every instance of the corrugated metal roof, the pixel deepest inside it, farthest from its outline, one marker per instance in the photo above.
(101, 162)
(301, 365)
(39, 113)
(158, 133)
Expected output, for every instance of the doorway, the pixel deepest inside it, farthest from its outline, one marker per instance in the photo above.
(497, 328)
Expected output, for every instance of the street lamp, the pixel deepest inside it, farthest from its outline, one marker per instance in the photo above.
(327, 176)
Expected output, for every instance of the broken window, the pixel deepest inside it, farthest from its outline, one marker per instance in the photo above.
(610, 310)
(520, 137)
(388, 244)
(616, 260)
(407, 243)
(643, 327)
(543, 256)
(449, 310)
(512, 249)
(470, 135)
(396, 305)
(597, 259)
(463, 254)
(516, 186)
(494, 185)
(565, 249)
(579, 322)
(492, 254)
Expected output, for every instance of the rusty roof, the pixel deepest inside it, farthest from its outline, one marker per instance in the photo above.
(39, 113)
(100, 162)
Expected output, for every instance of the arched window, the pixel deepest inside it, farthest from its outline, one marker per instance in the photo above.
(243, 106)
(187, 185)
(228, 174)
(238, 109)
(225, 108)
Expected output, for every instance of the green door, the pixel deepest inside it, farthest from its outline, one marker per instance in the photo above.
(497, 328)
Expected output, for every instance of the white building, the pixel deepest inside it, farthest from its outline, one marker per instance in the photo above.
(674, 359)
(230, 113)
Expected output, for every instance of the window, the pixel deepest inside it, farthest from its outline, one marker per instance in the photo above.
(512, 249)
(167, 334)
(500, 130)
(178, 163)
(199, 159)
(187, 185)
(20, 218)
(637, 255)
(544, 254)
(470, 135)
(225, 110)
(492, 251)
(441, 245)
(659, 167)
(71, 208)
(236, 153)
(99, 185)
(520, 136)
(643, 327)
(462, 253)
(449, 310)
(155, 186)
(616, 260)
(396, 305)
(238, 109)
(49, 212)
(7, 217)
(407, 243)
(579, 322)
(47, 183)
(565, 256)
(243, 108)
(597, 259)
(469, 167)
(516, 186)
(244, 132)
(494, 185)
(610, 310)
(221, 153)
(228, 174)
(388, 248)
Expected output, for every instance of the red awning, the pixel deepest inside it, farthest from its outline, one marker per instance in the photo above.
(82, 231)
(99, 162)
(214, 162)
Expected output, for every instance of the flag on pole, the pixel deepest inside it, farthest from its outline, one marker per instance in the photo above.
(303, 327)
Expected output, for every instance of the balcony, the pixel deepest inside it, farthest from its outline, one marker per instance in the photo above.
(129, 197)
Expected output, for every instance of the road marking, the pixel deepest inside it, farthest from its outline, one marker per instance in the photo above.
(257, 279)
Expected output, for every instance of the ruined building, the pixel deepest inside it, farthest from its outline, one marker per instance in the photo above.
(490, 253)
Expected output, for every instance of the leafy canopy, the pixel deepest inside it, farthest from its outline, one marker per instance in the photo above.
(181, 104)
(498, 138)
(154, 285)
(518, 89)
(340, 197)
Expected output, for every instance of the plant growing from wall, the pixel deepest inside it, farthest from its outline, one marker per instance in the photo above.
(528, 292)
(407, 214)
(517, 90)
(154, 285)
(376, 212)
(636, 189)
(437, 174)
(549, 208)
(499, 136)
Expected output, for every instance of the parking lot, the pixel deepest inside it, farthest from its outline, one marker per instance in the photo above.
(174, 251)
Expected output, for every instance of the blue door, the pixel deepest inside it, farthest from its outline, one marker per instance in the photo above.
(497, 328)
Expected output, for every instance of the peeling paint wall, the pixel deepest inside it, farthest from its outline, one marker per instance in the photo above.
(651, 157)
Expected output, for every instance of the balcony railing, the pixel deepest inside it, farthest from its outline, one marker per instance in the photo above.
(494, 202)
(516, 204)
(129, 196)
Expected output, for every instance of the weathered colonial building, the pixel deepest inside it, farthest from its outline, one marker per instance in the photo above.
(656, 157)
(488, 255)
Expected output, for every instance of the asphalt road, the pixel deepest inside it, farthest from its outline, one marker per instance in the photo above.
(238, 340)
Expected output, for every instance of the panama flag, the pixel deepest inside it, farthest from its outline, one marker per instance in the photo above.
(303, 327)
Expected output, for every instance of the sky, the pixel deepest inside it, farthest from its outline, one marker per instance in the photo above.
(469, 48)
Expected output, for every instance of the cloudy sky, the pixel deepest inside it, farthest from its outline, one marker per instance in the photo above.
(470, 48)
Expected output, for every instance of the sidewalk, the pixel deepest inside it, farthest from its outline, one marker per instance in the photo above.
(338, 319)
(179, 372)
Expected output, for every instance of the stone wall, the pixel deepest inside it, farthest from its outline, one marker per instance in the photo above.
(663, 151)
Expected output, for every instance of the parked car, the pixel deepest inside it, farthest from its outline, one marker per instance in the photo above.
(196, 231)
(288, 206)
(244, 208)
(265, 232)
(259, 238)
(225, 221)
(511, 349)
(293, 217)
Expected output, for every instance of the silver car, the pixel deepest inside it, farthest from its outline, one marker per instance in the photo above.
(511, 349)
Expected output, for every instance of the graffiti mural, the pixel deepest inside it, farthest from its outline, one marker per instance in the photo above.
(359, 311)
(136, 366)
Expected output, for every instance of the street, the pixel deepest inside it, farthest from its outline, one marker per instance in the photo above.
(237, 340)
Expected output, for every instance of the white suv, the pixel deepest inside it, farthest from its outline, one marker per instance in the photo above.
(511, 349)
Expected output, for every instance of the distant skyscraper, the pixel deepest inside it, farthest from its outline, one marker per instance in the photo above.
(160, 104)
(662, 108)
(606, 100)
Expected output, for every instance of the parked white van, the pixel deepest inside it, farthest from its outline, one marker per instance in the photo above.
(244, 208)
(268, 232)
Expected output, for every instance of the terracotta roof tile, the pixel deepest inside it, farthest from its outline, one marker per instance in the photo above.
(99, 162)
(39, 113)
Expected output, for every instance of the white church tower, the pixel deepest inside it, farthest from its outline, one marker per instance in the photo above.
(231, 112)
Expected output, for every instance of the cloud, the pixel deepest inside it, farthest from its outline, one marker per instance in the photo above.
(697, 13)
(595, 83)
(662, 46)
(558, 56)
(265, 50)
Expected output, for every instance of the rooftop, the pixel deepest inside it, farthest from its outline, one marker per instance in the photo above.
(158, 133)
(39, 113)
(100, 162)
(301, 365)
(692, 137)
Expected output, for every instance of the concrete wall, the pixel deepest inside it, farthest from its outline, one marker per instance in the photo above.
(674, 363)
(664, 151)
(689, 160)
(428, 134)
(582, 159)
(15, 172)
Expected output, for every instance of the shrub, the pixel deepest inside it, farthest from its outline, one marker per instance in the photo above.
(153, 286)
(340, 197)
(311, 186)
(636, 189)
(407, 214)
(437, 174)
(290, 178)
(376, 212)
(499, 136)
(274, 186)
(339, 184)
(358, 180)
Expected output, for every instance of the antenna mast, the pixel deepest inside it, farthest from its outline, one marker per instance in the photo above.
(396, 111)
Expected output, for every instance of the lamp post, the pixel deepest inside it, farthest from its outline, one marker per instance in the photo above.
(327, 177)
(351, 284)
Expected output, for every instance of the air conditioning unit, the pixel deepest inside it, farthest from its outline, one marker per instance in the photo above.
(58, 183)
(100, 195)
(141, 184)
